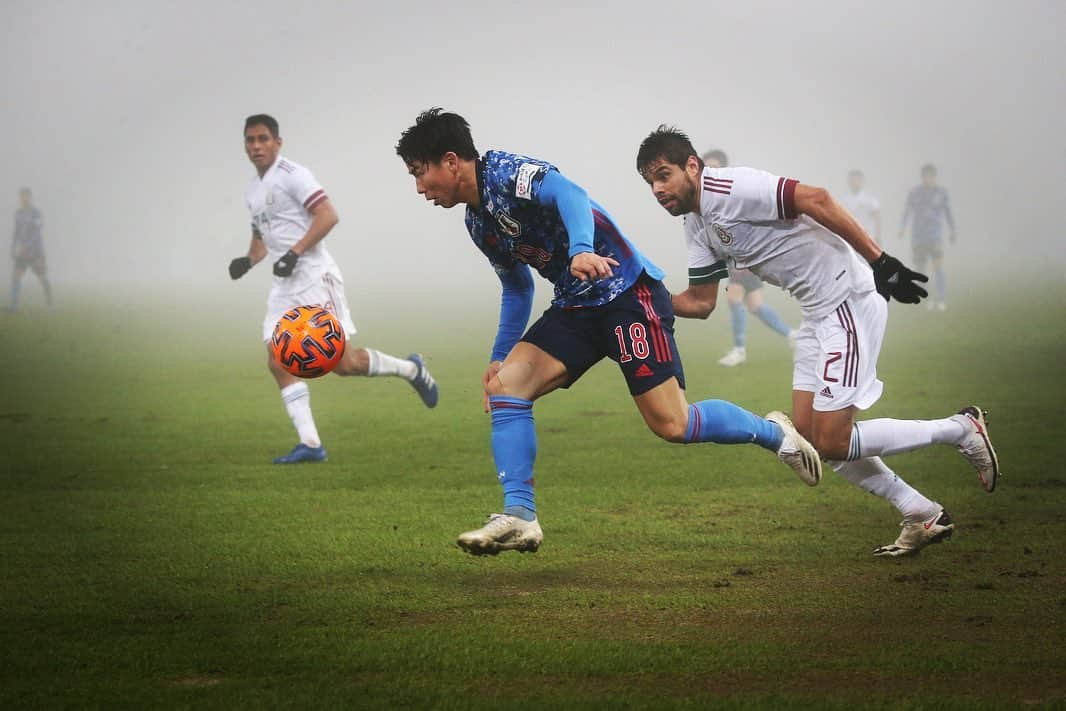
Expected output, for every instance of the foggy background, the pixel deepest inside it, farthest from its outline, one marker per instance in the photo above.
(126, 120)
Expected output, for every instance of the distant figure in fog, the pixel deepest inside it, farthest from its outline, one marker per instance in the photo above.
(27, 248)
(863, 206)
(744, 290)
(927, 209)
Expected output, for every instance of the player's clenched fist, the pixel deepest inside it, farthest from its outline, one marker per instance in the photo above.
(239, 267)
(589, 266)
(895, 280)
(284, 266)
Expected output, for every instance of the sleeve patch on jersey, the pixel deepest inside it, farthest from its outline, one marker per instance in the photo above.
(524, 182)
(706, 274)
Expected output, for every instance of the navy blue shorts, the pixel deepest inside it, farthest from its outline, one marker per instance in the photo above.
(635, 330)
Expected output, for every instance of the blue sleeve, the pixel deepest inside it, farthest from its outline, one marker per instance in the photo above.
(516, 304)
(574, 208)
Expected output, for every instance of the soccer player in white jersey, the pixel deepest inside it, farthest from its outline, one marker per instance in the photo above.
(863, 206)
(797, 237)
(744, 294)
(291, 215)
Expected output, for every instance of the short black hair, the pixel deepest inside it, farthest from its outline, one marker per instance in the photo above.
(267, 120)
(24, 190)
(718, 155)
(668, 143)
(435, 133)
(856, 173)
(928, 169)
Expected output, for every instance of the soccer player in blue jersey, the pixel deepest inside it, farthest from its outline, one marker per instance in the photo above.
(609, 302)
(27, 248)
(927, 210)
(744, 294)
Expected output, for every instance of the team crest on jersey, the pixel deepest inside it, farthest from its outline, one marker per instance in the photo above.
(508, 224)
(722, 233)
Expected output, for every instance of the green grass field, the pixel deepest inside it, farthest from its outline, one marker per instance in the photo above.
(154, 558)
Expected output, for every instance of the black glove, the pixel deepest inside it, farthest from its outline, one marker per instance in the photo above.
(895, 280)
(239, 267)
(284, 266)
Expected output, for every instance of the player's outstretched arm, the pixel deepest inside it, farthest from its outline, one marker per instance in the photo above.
(892, 277)
(697, 301)
(575, 210)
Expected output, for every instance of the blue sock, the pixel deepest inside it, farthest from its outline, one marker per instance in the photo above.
(725, 423)
(771, 319)
(739, 316)
(941, 284)
(514, 447)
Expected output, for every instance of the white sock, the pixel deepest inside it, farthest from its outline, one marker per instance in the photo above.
(885, 437)
(297, 399)
(384, 364)
(872, 475)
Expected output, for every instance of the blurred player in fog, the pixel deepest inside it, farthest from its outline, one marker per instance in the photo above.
(928, 209)
(863, 206)
(27, 248)
(744, 290)
(291, 215)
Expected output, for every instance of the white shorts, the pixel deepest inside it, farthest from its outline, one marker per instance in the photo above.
(327, 293)
(836, 355)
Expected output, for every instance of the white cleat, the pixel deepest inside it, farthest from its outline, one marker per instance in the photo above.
(977, 447)
(796, 451)
(916, 536)
(502, 532)
(734, 357)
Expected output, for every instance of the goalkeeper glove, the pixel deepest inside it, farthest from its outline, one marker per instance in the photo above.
(239, 267)
(895, 280)
(284, 266)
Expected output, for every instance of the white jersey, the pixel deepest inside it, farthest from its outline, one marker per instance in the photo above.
(280, 204)
(748, 220)
(864, 207)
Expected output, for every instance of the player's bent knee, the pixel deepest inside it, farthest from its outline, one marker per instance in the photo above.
(671, 431)
(831, 445)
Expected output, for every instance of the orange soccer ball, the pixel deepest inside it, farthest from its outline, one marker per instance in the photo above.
(308, 341)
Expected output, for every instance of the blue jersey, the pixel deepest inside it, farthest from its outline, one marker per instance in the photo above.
(516, 225)
(929, 209)
(27, 238)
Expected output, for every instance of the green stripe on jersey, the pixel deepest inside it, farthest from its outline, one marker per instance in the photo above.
(707, 274)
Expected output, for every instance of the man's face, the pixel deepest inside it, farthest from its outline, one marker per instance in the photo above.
(261, 146)
(855, 182)
(928, 179)
(25, 198)
(674, 187)
(437, 180)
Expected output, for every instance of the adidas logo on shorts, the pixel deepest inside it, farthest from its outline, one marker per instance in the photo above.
(826, 392)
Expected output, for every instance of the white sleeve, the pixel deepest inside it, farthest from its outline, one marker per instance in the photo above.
(749, 195)
(303, 187)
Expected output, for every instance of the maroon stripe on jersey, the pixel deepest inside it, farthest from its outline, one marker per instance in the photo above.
(718, 186)
(851, 352)
(611, 233)
(786, 199)
(655, 325)
(316, 197)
